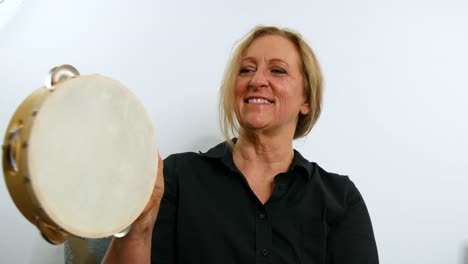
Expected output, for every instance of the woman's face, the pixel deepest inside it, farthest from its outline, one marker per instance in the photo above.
(269, 90)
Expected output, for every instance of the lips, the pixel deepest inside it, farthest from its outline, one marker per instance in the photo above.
(258, 100)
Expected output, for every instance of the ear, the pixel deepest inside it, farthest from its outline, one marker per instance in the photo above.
(305, 109)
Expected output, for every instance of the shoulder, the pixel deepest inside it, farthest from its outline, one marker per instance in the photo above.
(180, 164)
(181, 158)
(338, 191)
(217, 152)
(190, 162)
(334, 184)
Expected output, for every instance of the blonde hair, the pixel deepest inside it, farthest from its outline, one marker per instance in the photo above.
(313, 82)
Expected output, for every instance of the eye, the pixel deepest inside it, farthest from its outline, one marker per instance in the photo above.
(246, 70)
(278, 70)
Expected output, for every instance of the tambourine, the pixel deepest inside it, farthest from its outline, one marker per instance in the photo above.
(80, 157)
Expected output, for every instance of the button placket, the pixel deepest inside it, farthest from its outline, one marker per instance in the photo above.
(263, 236)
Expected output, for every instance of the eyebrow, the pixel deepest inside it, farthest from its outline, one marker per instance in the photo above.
(271, 60)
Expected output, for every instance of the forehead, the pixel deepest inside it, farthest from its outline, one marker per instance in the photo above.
(273, 47)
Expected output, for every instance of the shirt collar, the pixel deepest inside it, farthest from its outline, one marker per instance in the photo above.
(223, 153)
(300, 161)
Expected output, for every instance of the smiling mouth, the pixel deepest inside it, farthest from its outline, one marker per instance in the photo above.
(258, 101)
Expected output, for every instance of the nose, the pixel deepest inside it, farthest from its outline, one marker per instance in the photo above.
(259, 79)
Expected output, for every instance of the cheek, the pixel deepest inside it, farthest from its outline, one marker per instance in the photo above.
(238, 95)
(240, 90)
(291, 97)
(240, 86)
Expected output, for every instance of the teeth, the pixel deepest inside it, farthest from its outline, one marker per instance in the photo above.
(258, 101)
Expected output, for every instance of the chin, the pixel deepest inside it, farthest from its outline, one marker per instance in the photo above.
(254, 126)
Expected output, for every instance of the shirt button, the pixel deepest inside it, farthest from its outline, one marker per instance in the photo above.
(261, 216)
(265, 252)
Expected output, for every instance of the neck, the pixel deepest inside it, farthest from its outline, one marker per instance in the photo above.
(272, 152)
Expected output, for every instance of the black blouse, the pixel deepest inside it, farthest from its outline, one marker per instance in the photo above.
(209, 214)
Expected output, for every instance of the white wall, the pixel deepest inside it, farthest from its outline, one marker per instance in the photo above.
(395, 104)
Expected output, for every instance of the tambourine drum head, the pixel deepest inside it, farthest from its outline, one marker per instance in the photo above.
(92, 156)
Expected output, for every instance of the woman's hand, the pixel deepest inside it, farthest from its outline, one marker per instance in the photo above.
(135, 247)
(145, 222)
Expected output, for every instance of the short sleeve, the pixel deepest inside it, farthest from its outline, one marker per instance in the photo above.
(351, 238)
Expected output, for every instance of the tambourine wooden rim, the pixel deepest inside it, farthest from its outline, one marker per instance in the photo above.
(19, 178)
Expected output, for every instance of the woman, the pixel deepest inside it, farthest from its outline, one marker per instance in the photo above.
(254, 199)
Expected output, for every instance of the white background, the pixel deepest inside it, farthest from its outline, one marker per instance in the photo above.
(394, 118)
